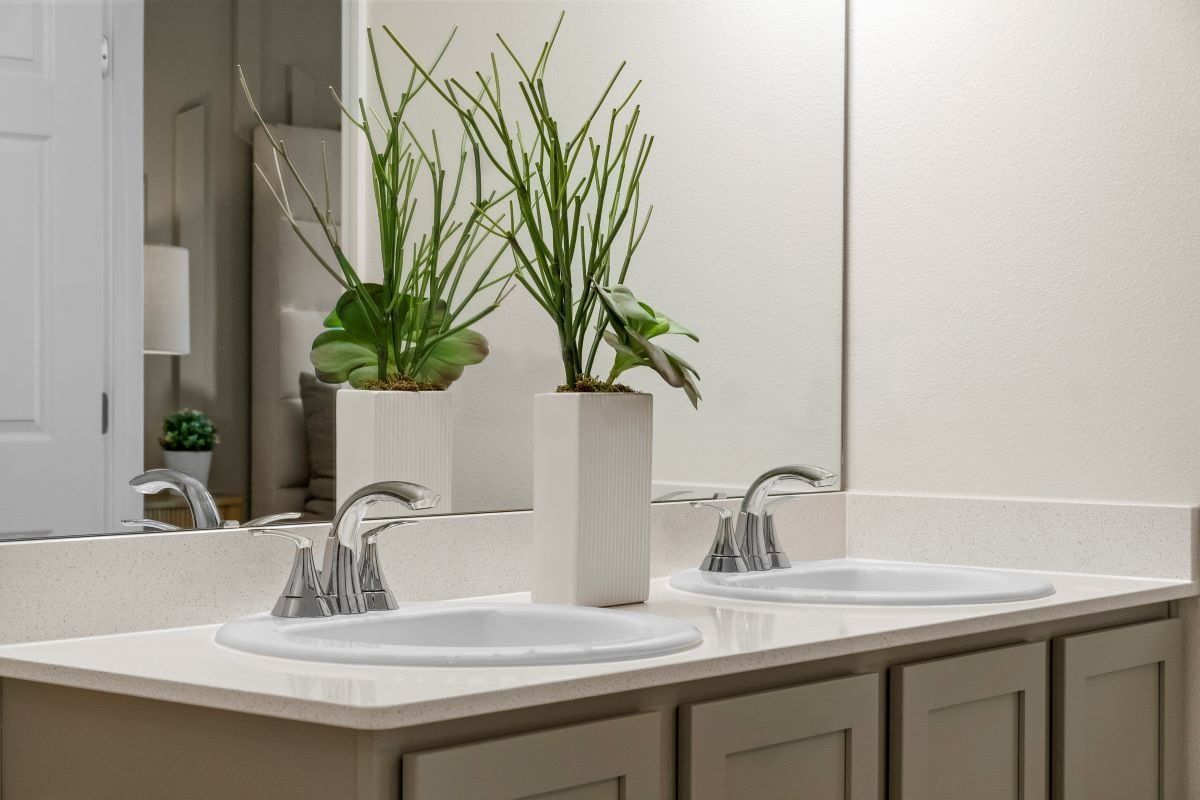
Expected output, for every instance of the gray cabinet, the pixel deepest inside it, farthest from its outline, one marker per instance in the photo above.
(820, 741)
(971, 726)
(613, 759)
(1117, 713)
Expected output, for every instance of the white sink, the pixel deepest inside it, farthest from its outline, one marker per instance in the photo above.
(465, 634)
(863, 582)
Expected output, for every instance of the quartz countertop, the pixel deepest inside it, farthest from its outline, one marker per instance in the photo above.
(186, 665)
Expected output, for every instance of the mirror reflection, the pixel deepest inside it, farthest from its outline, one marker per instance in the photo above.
(373, 233)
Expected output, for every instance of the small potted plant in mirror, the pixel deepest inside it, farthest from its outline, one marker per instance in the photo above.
(400, 343)
(188, 438)
(574, 225)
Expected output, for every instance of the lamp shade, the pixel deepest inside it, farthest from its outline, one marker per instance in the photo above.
(165, 310)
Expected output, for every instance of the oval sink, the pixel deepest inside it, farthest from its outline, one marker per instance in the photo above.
(464, 634)
(862, 582)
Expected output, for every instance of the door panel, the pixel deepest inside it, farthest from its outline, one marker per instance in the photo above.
(820, 741)
(1117, 700)
(52, 265)
(971, 726)
(990, 749)
(600, 790)
(614, 759)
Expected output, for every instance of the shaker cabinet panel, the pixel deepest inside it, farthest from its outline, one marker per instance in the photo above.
(1117, 713)
(614, 759)
(971, 726)
(820, 741)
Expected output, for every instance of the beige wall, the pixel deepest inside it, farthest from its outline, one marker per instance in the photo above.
(189, 61)
(192, 47)
(1024, 253)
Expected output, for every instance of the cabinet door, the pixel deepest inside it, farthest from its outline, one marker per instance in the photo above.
(1117, 713)
(615, 759)
(971, 726)
(820, 741)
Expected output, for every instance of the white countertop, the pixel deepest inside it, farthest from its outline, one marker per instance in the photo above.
(185, 665)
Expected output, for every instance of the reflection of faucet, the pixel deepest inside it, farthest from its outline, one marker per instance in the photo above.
(754, 533)
(200, 502)
(345, 549)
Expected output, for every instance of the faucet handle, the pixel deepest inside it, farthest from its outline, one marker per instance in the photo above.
(725, 555)
(375, 587)
(302, 596)
(774, 550)
(150, 524)
(779, 499)
(269, 519)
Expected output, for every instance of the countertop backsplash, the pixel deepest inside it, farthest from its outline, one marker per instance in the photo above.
(62, 588)
(113, 584)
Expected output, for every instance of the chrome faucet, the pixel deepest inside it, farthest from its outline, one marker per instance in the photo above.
(755, 531)
(199, 500)
(754, 539)
(346, 552)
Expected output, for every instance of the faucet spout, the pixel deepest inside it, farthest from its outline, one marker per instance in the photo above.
(199, 500)
(344, 549)
(762, 552)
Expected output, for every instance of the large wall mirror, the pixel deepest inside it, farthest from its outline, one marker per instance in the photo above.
(745, 101)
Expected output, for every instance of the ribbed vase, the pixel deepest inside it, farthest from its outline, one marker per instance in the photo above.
(591, 498)
(394, 436)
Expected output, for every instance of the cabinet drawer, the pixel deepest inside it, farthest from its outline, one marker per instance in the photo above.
(820, 741)
(971, 726)
(614, 759)
(1118, 713)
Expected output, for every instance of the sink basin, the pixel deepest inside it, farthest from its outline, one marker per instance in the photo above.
(466, 635)
(863, 582)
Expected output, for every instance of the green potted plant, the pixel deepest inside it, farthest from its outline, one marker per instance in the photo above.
(575, 222)
(401, 342)
(188, 438)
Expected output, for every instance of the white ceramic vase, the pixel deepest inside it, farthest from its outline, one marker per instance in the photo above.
(394, 436)
(591, 498)
(196, 463)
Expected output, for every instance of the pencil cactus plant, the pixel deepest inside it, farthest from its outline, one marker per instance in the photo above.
(575, 216)
(413, 330)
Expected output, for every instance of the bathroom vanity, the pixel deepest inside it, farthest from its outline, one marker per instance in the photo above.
(1067, 696)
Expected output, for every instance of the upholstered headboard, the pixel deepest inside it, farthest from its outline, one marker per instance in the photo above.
(291, 294)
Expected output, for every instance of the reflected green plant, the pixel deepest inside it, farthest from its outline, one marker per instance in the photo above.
(414, 328)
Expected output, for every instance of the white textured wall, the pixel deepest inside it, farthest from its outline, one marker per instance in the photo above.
(1024, 249)
(745, 100)
(1024, 254)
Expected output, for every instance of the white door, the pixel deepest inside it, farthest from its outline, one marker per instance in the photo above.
(52, 262)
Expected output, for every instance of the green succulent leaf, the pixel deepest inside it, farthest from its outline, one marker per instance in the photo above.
(336, 354)
(621, 301)
(633, 325)
(356, 317)
(431, 320)
(358, 377)
(445, 361)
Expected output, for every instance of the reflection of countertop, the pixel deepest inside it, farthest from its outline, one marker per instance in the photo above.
(185, 665)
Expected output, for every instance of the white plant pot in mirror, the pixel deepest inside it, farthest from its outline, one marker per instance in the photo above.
(394, 436)
(591, 498)
(196, 463)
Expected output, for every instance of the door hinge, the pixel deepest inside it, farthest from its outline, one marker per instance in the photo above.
(103, 413)
(105, 57)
